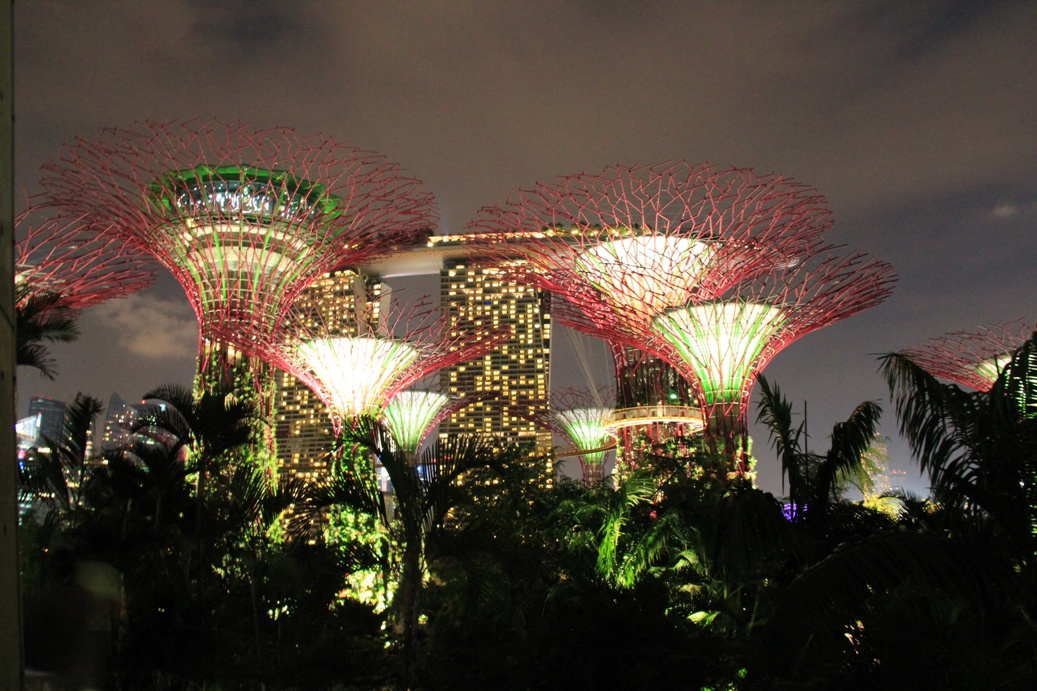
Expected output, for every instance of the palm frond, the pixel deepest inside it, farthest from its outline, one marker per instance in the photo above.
(833, 593)
(638, 489)
(927, 411)
(775, 412)
(42, 318)
(845, 458)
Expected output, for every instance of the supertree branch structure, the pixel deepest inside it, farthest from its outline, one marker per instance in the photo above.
(972, 358)
(578, 418)
(714, 271)
(411, 415)
(73, 262)
(663, 233)
(244, 219)
(720, 345)
(356, 368)
(654, 402)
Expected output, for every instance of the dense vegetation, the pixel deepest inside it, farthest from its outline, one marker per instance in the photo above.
(170, 565)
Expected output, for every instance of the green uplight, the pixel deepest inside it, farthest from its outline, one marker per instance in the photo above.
(410, 414)
(585, 430)
(991, 368)
(357, 371)
(241, 192)
(721, 342)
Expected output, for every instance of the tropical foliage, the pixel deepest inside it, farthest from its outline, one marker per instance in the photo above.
(41, 319)
(178, 565)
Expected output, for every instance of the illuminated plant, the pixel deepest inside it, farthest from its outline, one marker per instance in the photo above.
(971, 358)
(712, 270)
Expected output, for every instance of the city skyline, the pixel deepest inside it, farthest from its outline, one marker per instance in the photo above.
(912, 121)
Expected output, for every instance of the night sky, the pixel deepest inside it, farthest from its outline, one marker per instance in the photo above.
(917, 120)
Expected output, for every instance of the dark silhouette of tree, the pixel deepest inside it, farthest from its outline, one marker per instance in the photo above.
(57, 477)
(817, 481)
(42, 318)
(979, 448)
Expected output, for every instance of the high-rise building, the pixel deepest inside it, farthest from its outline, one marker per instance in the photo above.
(518, 370)
(117, 422)
(303, 430)
(51, 418)
(121, 419)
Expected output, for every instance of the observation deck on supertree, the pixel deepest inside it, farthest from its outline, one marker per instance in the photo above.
(244, 219)
(971, 358)
(73, 265)
(654, 405)
(712, 270)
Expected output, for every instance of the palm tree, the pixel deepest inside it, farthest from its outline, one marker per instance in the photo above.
(423, 497)
(816, 482)
(979, 448)
(58, 476)
(40, 319)
(955, 587)
(209, 432)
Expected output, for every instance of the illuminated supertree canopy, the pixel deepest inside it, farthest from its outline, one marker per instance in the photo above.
(411, 415)
(578, 418)
(585, 430)
(972, 358)
(712, 270)
(72, 261)
(356, 371)
(722, 344)
(244, 219)
(720, 341)
(357, 367)
(637, 240)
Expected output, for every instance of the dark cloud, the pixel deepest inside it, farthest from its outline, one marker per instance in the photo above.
(246, 29)
(151, 326)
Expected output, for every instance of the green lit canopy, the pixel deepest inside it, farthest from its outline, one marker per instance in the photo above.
(720, 342)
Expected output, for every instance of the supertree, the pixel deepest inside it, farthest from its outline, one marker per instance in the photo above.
(360, 362)
(971, 358)
(654, 404)
(62, 266)
(722, 343)
(79, 265)
(244, 219)
(411, 415)
(578, 417)
(712, 270)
